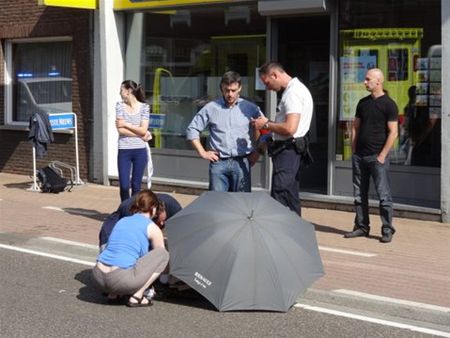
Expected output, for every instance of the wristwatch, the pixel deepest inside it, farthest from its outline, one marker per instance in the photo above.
(266, 125)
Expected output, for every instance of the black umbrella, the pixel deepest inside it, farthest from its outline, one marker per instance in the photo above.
(243, 251)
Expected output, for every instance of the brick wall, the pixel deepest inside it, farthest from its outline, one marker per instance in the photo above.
(26, 19)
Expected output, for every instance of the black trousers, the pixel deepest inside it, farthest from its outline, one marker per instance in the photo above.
(285, 184)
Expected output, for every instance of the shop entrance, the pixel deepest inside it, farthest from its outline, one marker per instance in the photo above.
(306, 56)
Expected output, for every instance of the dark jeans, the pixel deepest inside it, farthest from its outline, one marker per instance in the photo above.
(365, 167)
(127, 158)
(230, 174)
(285, 186)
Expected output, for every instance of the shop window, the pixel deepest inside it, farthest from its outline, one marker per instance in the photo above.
(39, 78)
(183, 62)
(404, 42)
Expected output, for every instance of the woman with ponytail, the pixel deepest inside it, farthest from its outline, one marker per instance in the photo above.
(132, 119)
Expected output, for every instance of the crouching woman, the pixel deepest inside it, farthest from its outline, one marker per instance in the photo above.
(127, 266)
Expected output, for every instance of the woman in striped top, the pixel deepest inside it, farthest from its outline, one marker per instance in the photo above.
(132, 118)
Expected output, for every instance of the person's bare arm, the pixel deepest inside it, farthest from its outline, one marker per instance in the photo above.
(392, 135)
(287, 128)
(355, 132)
(155, 235)
(126, 132)
(207, 155)
(139, 131)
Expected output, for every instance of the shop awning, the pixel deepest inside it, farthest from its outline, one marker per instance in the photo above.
(86, 4)
(283, 7)
(163, 4)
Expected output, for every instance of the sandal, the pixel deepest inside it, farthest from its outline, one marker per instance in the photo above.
(139, 302)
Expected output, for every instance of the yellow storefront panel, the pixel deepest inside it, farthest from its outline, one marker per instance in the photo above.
(154, 4)
(87, 4)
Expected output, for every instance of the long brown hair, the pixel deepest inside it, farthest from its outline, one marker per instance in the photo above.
(145, 201)
(136, 89)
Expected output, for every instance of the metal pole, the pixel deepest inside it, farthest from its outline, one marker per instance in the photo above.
(77, 167)
(34, 186)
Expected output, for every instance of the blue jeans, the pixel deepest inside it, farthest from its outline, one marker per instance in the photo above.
(230, 174)
(365, 167)
(127, 158)
(285, 183)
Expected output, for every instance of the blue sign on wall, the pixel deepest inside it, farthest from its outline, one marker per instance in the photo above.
(62, 121)
(157, 121)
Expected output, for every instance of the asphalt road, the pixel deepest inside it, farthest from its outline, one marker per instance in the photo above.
(48, 297)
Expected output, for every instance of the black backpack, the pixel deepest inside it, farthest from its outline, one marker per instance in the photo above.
(52, 181)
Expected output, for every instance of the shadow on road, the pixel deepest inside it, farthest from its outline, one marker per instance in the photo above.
(93, 214)
(21, 185)
(326, 228)
(88, 293)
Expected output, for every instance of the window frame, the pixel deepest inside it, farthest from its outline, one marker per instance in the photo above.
(8, 78)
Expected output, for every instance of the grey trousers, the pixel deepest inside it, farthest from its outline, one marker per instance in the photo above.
(128, 281)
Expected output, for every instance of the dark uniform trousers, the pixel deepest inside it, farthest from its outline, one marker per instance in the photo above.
(285, 183)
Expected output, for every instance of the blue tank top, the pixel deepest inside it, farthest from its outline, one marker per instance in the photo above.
(127, 243)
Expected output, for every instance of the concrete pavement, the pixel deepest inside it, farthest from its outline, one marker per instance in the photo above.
(414, 267)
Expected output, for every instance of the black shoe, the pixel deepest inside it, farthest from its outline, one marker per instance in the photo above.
(360, 232)
(387, 237)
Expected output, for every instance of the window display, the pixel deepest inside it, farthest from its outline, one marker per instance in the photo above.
(406, 49)
(184, 55)
(45, 85)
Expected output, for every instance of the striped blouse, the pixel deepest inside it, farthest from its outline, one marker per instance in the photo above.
(132, 142)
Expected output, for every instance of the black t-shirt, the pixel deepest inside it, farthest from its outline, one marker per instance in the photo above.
(374, 114)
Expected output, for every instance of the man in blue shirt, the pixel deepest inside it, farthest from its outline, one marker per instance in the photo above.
(231, 150)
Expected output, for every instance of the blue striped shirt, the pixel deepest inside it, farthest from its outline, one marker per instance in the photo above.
(229, 127)
(132, 142)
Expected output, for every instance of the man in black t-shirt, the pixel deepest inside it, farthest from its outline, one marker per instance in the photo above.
(374, 131)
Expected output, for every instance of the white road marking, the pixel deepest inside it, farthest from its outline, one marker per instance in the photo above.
(374, 320)
(298, 305)
(44, 254)
(347, 252)
(394, 300)
(72, 211)
(65, 241)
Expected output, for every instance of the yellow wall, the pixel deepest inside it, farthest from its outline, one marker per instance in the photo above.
(87, 4)
(130, 4)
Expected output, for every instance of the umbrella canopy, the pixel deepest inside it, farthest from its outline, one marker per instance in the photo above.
(243, 251)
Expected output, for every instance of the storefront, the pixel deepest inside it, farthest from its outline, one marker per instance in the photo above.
(45, 59)
(178, 50)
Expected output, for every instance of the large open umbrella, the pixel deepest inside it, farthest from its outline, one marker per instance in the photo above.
(243, 251)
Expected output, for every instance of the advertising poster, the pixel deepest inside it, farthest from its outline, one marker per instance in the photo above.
(352, 72)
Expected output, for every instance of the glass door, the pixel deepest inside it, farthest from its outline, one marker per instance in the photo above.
(306, 56)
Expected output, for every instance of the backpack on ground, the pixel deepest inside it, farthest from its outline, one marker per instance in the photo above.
(51, 181)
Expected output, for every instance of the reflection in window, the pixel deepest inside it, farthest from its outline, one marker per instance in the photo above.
(374, 35)
(41, 78)
(184, 58)
(397, 69)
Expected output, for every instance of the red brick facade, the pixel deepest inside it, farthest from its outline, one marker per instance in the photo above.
(27, 19)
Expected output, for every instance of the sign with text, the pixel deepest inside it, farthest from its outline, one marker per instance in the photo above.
(157, 121)
(353, 71)
(62, 121)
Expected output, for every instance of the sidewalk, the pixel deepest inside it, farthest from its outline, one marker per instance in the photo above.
(415, 266)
